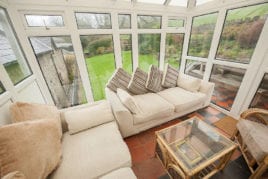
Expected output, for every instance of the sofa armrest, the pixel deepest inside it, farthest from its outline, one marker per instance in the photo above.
(122, 115)
(207, 88)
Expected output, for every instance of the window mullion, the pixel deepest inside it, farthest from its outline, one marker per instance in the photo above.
(215, 43)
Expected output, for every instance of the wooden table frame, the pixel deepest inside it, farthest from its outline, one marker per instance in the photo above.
(176, 168)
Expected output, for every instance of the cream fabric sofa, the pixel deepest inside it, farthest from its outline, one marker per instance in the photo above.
(158, 108)
(98, 150)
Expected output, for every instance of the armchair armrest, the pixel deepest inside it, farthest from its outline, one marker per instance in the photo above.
(122, 115)
(207, 88)
(257, 113)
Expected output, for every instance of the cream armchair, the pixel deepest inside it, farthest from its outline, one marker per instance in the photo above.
(251, 135)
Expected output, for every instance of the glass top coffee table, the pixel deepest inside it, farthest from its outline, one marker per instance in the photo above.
(193, 149)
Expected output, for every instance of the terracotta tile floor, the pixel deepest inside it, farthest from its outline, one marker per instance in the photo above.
(142, 146)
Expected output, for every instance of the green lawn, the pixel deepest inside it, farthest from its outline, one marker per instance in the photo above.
(146, 60)
(101, 68)
(14, 71)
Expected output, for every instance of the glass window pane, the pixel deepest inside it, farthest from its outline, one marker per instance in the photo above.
(99, 53)
(201, 35)
(227, 82)
(182, 3)
(241, 32)
(174, 43)
(2, 89)
(149, 48)
(93, 20)
(44, 20)
(57, 61)
(152, 1)
(260, 99)
(195, 68)
(124, 21)
(173, 22)
(149, 22)
(126, 51)
(11, 55)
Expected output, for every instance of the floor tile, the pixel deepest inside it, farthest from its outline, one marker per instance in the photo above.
(138, 154)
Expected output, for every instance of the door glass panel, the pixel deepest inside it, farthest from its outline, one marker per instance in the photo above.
(174, 43)
(260, 99)
(11, 55)
(99, 53)
(195, 68)
(149, 22)
(93, 20)
(227, 82)
(126, 51)
(149, 49)
(201, 35)
(241, 32)
(57, 61)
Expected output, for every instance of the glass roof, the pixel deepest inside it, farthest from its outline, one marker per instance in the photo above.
(199, 2)
(152, 1)
(182, 3)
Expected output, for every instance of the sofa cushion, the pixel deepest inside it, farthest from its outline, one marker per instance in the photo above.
(127, 100)
(21, 111)
(93, 153)
(137, 84)
(188, 83)
(182, 99)
(120, 79)
(84, 118)
(151, 106)
(126, 173)
(31, 147)
(154, 80)
(255, 137)
(170, 76)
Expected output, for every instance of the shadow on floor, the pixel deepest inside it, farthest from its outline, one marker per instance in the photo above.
(236, 169)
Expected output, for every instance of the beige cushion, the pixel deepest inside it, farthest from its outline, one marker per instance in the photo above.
(255, 137)
(32, 147)
(93, 153)
(120, 79)
(84, 118)
(188, 83)
(14, 175)
(29, 111)
(122, 173)
(127, 100)
(151, 106)
(137, 84)
(154, 79)
(170, 76)
(182, 99)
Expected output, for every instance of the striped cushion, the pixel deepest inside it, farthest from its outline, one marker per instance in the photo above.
(170, 77)
(154, 79)
(138, 82)
(120, 79)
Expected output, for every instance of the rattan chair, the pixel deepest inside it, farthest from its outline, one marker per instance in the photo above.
(258, 166)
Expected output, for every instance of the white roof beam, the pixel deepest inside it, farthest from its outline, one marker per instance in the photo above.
(167, 2)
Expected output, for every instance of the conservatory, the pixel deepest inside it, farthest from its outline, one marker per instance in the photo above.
(147, 89)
